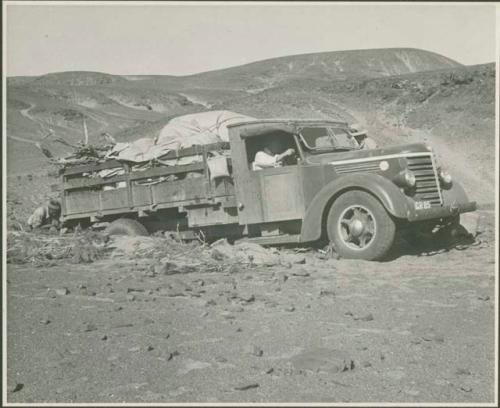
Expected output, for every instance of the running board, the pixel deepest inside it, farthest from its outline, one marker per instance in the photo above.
(274, 240)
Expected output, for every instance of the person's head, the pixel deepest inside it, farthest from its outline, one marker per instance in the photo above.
(54, 207)
(275, 145)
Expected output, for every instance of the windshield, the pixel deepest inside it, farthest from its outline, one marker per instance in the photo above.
(327, 138)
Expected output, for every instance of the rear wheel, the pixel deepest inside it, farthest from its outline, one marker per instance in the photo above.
(359, 226)
(126, 226)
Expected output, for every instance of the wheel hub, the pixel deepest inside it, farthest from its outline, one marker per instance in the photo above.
(357, 228)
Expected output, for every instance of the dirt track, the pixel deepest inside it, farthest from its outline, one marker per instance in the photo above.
(416, 329)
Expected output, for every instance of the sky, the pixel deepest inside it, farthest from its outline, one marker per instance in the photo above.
(174, 39)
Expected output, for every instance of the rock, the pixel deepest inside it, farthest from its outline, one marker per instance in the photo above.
(466, 388)
(462, 371)
(62, 291)
(117, 308)
(244, 387)
(290, 259)
(149, 348)
(301, 272)
(227, 315)
(51, 294)
(244, 252)
(131, 297)
(221, 359)
(247, 298)
(366, 318)
(326, 292)
(104, 337)
(290, 309)
(210, 302)
(45, 321)
(486, 297)
(366, 364)
(170, 267)
(18, 387)
(254, 350)
(172, 355)
(322, 359)
(204, 314)
(348, 313)
(88, 327)
(269, 370)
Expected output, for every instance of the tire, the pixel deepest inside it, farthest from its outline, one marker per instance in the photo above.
(126, 226)
(359, 226)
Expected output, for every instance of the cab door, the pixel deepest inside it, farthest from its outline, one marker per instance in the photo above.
(268, 195)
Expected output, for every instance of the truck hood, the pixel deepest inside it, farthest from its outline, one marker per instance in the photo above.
(323, 158)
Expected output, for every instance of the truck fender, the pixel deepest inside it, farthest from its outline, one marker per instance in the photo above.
(394, 201)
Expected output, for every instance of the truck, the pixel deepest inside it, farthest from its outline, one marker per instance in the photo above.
(329, 189)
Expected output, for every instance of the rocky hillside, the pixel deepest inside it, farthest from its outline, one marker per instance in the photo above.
(400, 95)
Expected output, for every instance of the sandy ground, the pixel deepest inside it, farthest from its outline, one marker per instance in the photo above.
(415, 329)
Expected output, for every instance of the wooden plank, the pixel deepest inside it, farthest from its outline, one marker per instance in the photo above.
(92, 167)
(86, 182)
(188, 151)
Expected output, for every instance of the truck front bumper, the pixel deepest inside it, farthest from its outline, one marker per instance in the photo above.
(447, 210)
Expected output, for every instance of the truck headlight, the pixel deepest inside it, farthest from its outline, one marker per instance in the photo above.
(445, 177)
(406, 179)
(409, 177)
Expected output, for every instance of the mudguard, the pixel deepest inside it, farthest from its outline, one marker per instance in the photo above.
(394, 201)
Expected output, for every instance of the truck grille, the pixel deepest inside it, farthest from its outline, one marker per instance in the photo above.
(365, 167)
(427, 184)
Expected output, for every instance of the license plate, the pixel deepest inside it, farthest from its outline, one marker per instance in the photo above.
(422, 205)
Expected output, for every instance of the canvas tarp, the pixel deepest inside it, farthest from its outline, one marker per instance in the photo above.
(181, 132)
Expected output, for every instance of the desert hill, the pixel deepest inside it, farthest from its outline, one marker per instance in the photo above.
(400, 95)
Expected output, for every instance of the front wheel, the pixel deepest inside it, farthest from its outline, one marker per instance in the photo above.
(359, 226)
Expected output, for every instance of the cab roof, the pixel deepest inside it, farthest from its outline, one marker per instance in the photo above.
(259, 126)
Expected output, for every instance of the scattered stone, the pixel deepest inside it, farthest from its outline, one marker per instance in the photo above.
(269, 370)
(348, 313)
(466, 388)
(131, 297)
(236, 309)
(244, 387)
(88, 327)
(301, 273)
(290, 259)
(51, 294)
(366, 364)
(62, 291)
(210, 302)
(254, 350)
(382, 356)
(45, 321)
(462, 371)
(227, 315)
(326, 292)
(415, 340)
(149, 348)
(221, 359)
(248, 298)
(117, 308)
(172, 355)
(290, 309)
(130, 290)
(104, 337)
(484, 297)
(366, 318)
(239, 329)
(322, 359)
(204, 314)
(18, 387)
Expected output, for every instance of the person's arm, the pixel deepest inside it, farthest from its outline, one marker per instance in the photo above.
(286, 153)
(264, 160)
